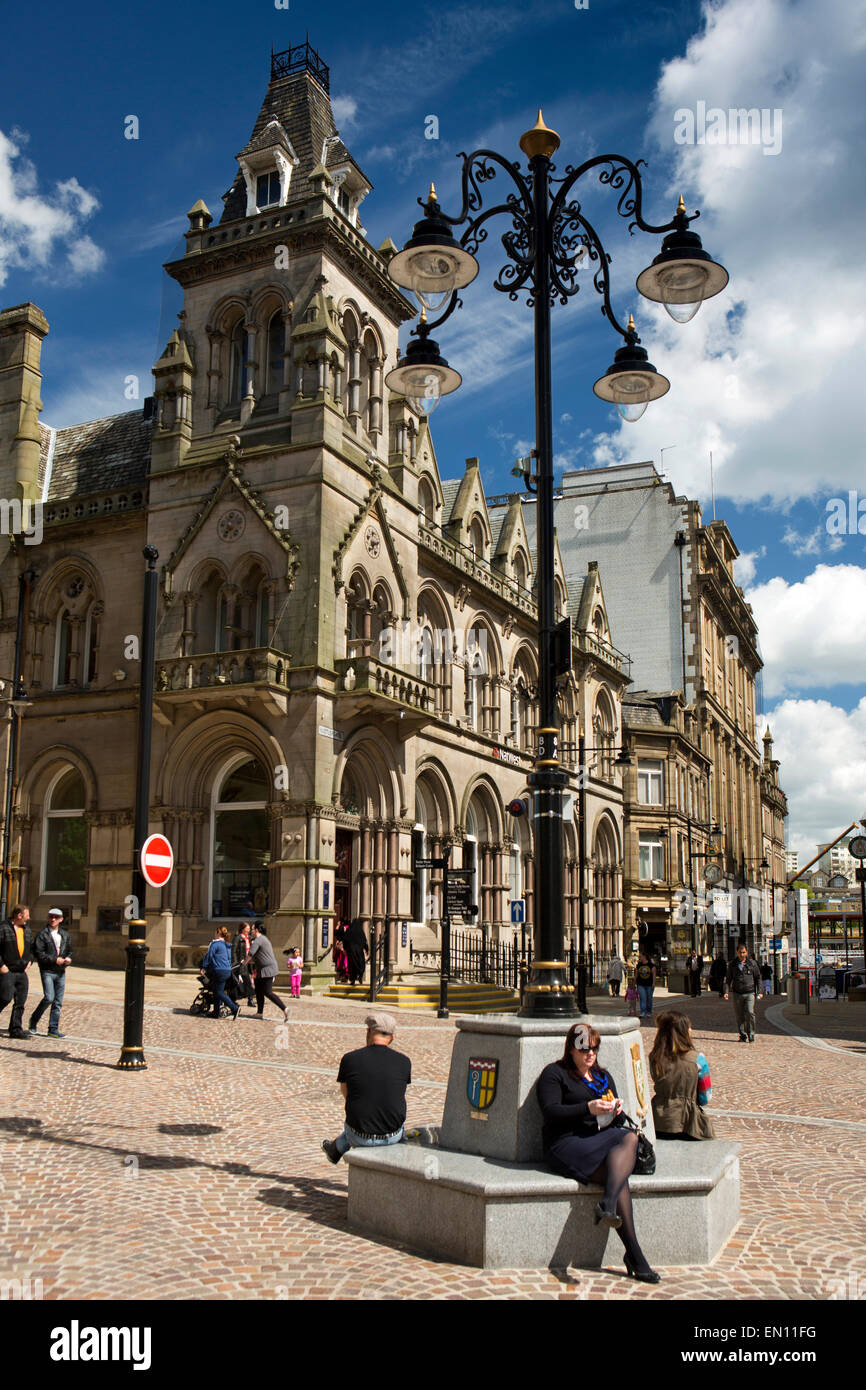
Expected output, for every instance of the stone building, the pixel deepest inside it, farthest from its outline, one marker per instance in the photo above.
(345, 650)
(692, 644)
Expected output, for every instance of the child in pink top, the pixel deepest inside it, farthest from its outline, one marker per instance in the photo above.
(296, 966)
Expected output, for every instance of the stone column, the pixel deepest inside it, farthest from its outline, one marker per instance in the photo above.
(393, 893)
(199, 891)
(216, 340)
(187, 637)
(365, 881)
(354, 384)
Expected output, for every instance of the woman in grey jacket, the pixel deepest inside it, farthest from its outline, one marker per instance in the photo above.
(262, 959)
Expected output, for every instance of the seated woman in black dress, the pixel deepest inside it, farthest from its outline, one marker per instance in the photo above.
(581, 1139)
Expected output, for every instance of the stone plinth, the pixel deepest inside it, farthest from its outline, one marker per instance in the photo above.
(510, 1128)
(500, 1215)
(483, 1195)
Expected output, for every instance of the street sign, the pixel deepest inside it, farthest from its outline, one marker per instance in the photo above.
(857, 846)
(518, 911)
(431, 863)
(156, 860)
(458, 890)
(776, 943)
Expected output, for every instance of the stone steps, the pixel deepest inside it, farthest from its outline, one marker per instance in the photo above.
(464, 998)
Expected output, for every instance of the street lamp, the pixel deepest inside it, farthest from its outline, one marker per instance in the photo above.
(548, 242)
(18, 702)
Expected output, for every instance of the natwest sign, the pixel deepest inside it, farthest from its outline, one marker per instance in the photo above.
(507, 755)
(157, 860)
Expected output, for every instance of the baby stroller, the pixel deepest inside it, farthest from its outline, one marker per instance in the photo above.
(204, 1000)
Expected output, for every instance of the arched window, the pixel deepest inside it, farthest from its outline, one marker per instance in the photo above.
(520, 569)
(65, 840)
(381, 630)
(604, 727)
(477, 542)
(478, 667)
(76, 636)
(240, 840)
(237, 362)
(276, 347)
(358, 632)
(211, 617)
(262, 627)
(427, 502)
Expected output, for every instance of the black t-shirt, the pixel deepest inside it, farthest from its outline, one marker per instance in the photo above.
(376, 1078)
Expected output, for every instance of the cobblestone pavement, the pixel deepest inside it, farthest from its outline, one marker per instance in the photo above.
(202, 1177)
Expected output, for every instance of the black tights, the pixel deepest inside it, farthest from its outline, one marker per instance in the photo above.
(615, 1173)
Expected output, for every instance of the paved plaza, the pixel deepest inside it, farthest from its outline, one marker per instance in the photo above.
(203, 1178)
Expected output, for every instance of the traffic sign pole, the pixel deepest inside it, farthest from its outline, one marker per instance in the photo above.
(132, 1049)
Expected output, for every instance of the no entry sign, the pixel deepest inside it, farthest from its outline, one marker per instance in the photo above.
(157, 860)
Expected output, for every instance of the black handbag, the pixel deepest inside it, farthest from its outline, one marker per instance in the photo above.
(645, 1162)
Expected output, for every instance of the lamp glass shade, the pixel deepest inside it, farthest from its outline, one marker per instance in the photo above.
(429, 270)
(423, 384)
(425, 400)
(681, 278)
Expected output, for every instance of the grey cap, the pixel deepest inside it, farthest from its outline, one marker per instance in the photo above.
(381, 1023)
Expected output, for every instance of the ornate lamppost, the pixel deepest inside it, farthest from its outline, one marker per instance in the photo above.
(549, 241)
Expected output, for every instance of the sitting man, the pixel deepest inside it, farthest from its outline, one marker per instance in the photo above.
(373, 1081)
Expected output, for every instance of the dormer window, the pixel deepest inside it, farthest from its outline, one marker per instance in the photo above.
(344, 202)
(268, 190)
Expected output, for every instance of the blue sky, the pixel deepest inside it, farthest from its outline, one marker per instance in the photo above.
(763, 377)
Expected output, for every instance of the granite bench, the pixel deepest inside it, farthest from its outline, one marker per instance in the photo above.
(498, 1214)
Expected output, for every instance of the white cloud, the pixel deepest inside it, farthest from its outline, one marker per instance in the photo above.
(345, 110)
(822, 752)
(746, 565)
(771, 389)
(810, 630)
(40, 230)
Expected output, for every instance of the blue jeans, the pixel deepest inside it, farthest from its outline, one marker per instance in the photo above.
(350, 1140)
(645, 995)
(218, 985)
(53, 987)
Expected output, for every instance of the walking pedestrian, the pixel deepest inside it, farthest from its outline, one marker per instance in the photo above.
(16, 945)
(645, 979)
(614, 975)
(357, 948)
(52, 949)
(719, 975)
(694, 966)
(240, 958)
(373, 1081)
(265, 962)
(296, 969)
(683, 1087)
(767, 977)
(744, 982)
(631, 996)
(582, 1140)
(217, 965)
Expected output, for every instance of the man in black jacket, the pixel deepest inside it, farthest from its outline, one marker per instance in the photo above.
(53, 954)
(15, 957)
(744, 982)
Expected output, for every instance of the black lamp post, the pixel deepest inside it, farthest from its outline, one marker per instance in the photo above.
(547, 244)
(18, 703)
(132, 1049)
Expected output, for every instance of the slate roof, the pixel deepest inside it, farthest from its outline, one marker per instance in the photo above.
(450, 489)
(303, 108)
(99, 456)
